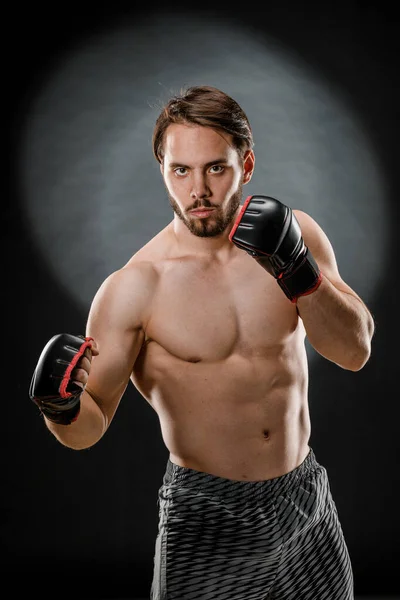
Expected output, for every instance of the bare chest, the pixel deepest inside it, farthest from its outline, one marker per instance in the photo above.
(207, 314)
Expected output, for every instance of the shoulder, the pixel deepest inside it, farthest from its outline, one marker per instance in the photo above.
(137, 276)
(312, 232)
(126, 292)
(308, 224)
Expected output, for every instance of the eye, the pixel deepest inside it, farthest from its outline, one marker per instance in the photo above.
(218, 168)
(180, 171)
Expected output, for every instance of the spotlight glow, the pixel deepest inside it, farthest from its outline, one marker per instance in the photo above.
(93, 194)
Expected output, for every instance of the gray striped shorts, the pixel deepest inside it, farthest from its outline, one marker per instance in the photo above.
(222, 539)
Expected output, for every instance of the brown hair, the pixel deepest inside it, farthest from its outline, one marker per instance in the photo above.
(206, 106)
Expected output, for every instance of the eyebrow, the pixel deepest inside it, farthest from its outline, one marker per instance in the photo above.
(217, 161)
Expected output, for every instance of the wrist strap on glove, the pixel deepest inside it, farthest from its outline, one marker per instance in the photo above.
(304, 279)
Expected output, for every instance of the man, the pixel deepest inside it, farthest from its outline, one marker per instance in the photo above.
(208, 320)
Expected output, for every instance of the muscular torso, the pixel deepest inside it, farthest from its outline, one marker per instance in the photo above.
(224, 366)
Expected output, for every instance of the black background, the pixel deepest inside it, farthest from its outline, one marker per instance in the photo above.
(87, 520)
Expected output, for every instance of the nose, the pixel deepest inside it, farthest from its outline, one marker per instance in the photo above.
(200, 188)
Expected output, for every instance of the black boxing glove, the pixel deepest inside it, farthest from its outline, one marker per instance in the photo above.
(51, 388)
(268, 230)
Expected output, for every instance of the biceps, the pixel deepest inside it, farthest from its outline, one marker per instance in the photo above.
(112, 367)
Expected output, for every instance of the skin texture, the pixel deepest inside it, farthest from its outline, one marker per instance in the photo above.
(205, 333)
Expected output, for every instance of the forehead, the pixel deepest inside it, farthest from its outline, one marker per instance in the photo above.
(188, 142)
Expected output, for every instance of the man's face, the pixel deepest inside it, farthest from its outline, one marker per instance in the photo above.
(203, 175)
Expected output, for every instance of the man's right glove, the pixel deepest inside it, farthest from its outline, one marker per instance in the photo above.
(51, 388)
(268, 230)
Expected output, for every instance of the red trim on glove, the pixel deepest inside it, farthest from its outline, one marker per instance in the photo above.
(76, 416)
(239, 217)
(67, 375)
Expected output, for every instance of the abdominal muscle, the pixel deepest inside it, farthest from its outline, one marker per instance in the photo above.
(245, 417)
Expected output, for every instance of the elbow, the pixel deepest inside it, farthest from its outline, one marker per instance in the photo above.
(353, 357)
(82, 447)
(363, 354)
(359, 359)
(356, 366)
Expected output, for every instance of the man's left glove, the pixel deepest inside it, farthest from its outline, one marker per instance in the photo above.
(52, 388)
(268, 230)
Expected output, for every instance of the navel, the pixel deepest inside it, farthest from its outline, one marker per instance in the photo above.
(265, 434)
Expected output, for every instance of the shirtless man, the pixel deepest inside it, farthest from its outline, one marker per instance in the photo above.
(208, 320)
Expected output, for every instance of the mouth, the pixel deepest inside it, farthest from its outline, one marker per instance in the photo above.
(202, 213)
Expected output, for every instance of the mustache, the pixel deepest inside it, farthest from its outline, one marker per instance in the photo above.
(201, 204)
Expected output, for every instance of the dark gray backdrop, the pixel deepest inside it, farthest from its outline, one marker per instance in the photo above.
(91, 516)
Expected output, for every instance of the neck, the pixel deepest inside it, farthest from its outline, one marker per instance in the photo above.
(208, 247)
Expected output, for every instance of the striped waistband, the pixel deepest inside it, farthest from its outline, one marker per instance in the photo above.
(221, 486)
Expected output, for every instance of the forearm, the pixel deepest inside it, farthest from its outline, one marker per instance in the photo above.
(83, 433)
(338, 325)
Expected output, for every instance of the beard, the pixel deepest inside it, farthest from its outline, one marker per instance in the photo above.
(214, 225)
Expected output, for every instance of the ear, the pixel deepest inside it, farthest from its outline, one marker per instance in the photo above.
(248, 166)
(162, 167)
